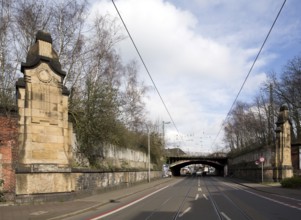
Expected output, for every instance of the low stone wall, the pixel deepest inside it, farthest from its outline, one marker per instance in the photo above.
(84, 183)
(98, 181)
(43, 183)
(251, 173)
(243, 166)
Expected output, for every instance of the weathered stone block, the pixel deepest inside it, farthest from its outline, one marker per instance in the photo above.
(33, 183)
(27, 112)
(53, 130)
(42, 155)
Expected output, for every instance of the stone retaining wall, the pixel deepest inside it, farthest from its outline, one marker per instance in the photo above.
(244, 166)
(88, 182)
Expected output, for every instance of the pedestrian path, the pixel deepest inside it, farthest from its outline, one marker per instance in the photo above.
(59, 210)
(273, 188)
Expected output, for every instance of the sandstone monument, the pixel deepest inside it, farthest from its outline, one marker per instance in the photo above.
(44, 163)
(283, 161)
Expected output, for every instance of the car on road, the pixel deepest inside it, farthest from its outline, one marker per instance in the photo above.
(167, 174)
(199, 173)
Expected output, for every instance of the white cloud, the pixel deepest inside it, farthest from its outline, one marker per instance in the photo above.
(198, 57)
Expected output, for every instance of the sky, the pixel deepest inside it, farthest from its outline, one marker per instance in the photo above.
(198, 53)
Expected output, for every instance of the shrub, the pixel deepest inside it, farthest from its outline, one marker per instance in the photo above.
(293, 182)
(2, 199)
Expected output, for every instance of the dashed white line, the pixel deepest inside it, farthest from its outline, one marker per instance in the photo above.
(200, 189)
(205, 196)
(225, 216)
(197, 196)
(183, 213)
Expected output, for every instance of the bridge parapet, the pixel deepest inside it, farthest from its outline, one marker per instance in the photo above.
(221, 158)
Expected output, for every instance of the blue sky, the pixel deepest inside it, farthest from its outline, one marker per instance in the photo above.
(199, 53)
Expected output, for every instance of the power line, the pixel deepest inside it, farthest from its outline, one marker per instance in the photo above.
(266, 38)
(151, 78)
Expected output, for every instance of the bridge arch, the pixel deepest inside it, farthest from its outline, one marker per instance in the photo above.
(179, 162)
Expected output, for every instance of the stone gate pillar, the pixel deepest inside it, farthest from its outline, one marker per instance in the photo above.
(44, 164)
(282, 159)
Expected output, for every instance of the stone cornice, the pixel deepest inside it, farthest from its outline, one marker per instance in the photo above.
(53, 64)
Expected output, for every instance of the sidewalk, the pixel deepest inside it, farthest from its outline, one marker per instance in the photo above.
(272, 188)
(60, 210)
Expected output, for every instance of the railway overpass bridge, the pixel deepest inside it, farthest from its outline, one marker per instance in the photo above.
(218, 161)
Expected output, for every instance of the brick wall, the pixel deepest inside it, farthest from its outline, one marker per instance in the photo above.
(8, 152)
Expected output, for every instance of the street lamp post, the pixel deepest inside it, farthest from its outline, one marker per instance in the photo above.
(148, 147)
(164, 123)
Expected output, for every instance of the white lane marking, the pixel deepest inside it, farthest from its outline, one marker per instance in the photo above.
(197, 196)
(205, 196)
(200, 189)
(225, 216)
(126, 206)
(298, 200)
(39, 213)
(183, 213)
(267, 198)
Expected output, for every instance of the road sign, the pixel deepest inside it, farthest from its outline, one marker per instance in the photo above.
(261, 159)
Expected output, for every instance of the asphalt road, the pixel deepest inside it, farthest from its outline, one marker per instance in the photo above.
(198, 198)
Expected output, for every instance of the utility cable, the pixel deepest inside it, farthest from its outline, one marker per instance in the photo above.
(265, 40)
(151, 78)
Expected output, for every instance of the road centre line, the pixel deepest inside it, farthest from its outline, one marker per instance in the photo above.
(196, 196)
(127, 205)
(200, 189)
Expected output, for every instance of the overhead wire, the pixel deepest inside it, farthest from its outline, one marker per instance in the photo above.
(145, 67)
(246, 78)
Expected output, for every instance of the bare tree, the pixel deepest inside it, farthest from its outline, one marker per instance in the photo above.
(7, 69)
(106, 97)
(247, 126)
(133, 107)
(67, 27)
(29, 17)
(287, 91)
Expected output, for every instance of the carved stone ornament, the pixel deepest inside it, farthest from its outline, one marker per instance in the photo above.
(44, 76)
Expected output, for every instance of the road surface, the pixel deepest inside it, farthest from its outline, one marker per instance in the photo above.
(199, 198)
